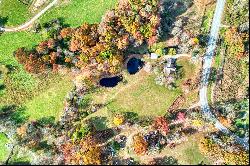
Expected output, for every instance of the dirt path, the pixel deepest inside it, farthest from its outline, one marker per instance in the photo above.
(31, 21)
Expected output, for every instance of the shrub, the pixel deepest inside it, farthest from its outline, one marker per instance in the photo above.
(171, 51)
(140, 146)
(158, 48)
(161, 124)
(81, 131)
(118, 120)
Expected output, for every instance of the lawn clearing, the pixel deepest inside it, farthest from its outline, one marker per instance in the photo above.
(140, 95)
(50, 101)
(76, 12)
(10, 42)
(3, 150)
(189, 69)
(187, 152)
(13, 12)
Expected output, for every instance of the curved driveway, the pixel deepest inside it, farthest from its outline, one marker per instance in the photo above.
(31, 21)
(207, 63)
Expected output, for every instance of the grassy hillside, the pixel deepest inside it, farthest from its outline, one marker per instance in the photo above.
(3, 149)
(75, 12)
(13, 12)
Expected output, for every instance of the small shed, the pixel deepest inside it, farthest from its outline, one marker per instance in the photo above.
(154, 56)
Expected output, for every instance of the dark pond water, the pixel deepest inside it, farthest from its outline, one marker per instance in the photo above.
(110, 82)
(134, 65)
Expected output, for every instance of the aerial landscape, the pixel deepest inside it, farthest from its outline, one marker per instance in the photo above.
(124, 82)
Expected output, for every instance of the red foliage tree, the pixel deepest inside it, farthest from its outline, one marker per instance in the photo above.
(160, 123)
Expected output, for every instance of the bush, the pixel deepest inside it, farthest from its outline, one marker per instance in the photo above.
(81, 131)
(140, 146)
(158, 48)
(118, 120)
(161, 124)
(171, 51)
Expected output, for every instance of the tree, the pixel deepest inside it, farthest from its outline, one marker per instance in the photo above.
(140, 146)
(85, 151)
(161, 124)
(235, 42)
(66, 32)
(118, 120)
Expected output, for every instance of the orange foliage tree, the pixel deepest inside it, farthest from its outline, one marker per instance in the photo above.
(85, 151)
(140, 146)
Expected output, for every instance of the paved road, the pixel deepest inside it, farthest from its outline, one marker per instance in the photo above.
(207, 63)
(31, 21)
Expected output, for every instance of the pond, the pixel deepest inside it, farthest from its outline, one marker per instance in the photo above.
(111, 81)
(134, 65)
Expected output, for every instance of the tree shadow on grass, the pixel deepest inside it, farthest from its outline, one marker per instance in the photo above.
(2, 87)
(47, 121)
(3, 21)
(167, 160)
(13, 114)
(99, 123)
(19, 163)
(131, 117)
(104, 135)
(62, 21)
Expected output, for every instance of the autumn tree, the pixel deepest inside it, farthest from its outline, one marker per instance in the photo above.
(85, 151)
(140, 146)
(160, 123)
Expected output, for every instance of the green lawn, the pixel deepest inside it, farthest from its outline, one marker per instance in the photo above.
(49, 103)
(3, 150)
(193, 154)
(188, 152)
(76, 12)
(140, 95)
(11, 41)
(15, 12)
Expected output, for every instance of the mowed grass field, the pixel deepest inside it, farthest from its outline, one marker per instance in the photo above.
(76, 12)
(139, 95)
(3, 150)
(13, 12)
(187, 152)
